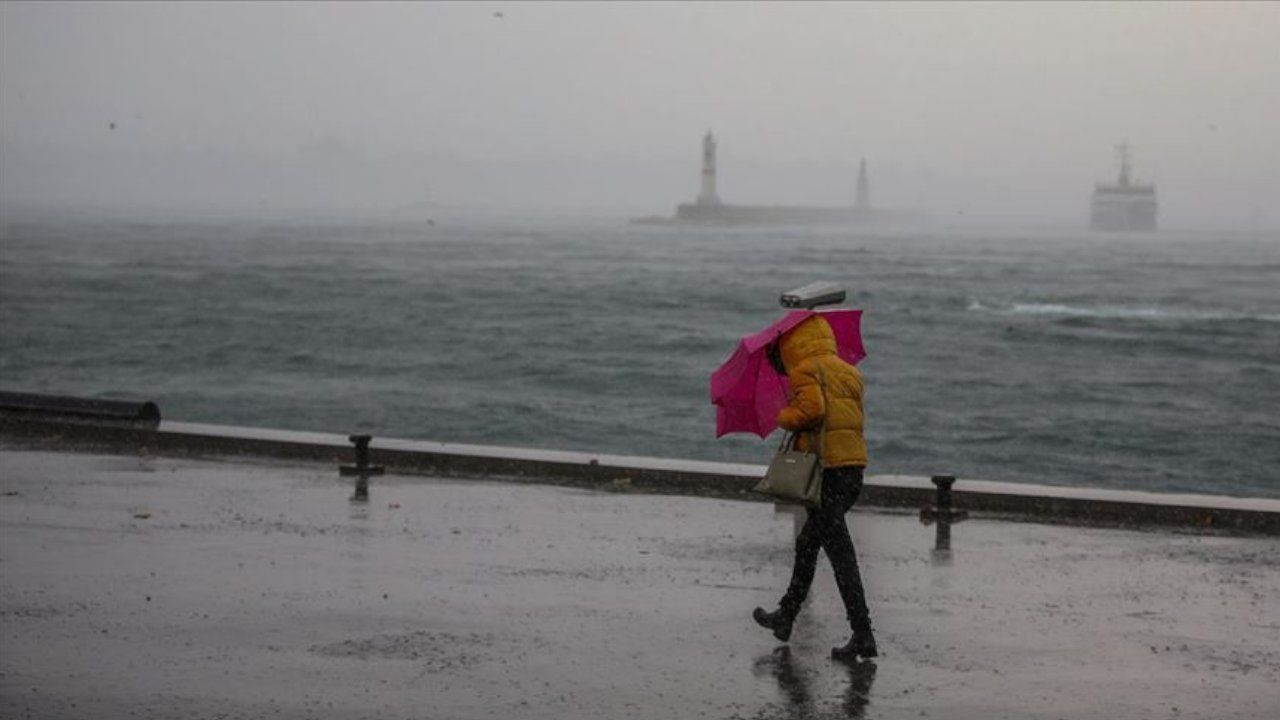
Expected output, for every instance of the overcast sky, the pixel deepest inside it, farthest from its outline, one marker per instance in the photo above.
(997, 109)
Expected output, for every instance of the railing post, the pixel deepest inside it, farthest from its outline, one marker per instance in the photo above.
(362, 469)
(942, 512)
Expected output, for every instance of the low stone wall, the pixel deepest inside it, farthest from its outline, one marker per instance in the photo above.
(1039, 503)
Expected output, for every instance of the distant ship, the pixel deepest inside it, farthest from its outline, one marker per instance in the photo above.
(709, 209)
(1126, 205)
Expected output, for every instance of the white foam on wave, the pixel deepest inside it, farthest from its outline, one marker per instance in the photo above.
(1099, 312)
(1118, 312)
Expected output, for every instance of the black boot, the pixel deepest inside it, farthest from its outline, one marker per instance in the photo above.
(779, 621)
(861, 645)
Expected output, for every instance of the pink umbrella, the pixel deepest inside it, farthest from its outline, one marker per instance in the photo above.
(746, 390)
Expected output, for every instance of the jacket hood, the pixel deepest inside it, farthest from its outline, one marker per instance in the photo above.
(809, 339)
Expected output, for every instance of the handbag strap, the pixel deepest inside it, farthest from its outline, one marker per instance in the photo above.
(826, 410)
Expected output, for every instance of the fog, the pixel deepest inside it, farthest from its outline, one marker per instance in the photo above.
(1003, 111)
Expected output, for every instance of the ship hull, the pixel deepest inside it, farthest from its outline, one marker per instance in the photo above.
(1123, 212)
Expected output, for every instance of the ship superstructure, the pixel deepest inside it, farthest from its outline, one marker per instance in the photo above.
(1125, 205)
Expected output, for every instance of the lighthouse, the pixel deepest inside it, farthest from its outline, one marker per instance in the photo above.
(708, 195)
(863, 202)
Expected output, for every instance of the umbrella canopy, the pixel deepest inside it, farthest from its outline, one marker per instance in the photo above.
(748, 392)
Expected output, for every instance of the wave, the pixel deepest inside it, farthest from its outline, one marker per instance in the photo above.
(1120, 312)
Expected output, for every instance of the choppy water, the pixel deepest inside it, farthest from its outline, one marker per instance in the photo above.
(1138, 362)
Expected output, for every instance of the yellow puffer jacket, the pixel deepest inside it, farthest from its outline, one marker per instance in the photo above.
(806, 349)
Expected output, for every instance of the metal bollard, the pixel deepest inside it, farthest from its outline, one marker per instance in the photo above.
(942, 512)
(362, 469)
(944, 483)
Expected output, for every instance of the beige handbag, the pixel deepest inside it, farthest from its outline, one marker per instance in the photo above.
(796, 477)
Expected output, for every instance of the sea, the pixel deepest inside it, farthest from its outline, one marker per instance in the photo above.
(1144, 362)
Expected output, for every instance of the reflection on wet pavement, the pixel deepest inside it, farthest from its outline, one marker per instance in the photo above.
(794, 682)
(799, 700)
(858, 697)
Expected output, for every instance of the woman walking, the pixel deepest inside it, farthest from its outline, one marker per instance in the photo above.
(826, 397)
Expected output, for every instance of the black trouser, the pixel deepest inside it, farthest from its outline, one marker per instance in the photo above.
(825, 529)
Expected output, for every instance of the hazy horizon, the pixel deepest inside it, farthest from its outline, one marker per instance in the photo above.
(975, 110)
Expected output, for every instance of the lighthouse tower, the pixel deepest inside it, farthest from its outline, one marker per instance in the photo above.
(863, 202)
(708, 195)
(1122, 151)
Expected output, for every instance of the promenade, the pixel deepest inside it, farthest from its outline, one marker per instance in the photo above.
(166, 588)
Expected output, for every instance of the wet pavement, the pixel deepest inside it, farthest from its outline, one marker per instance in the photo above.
(160, 588)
